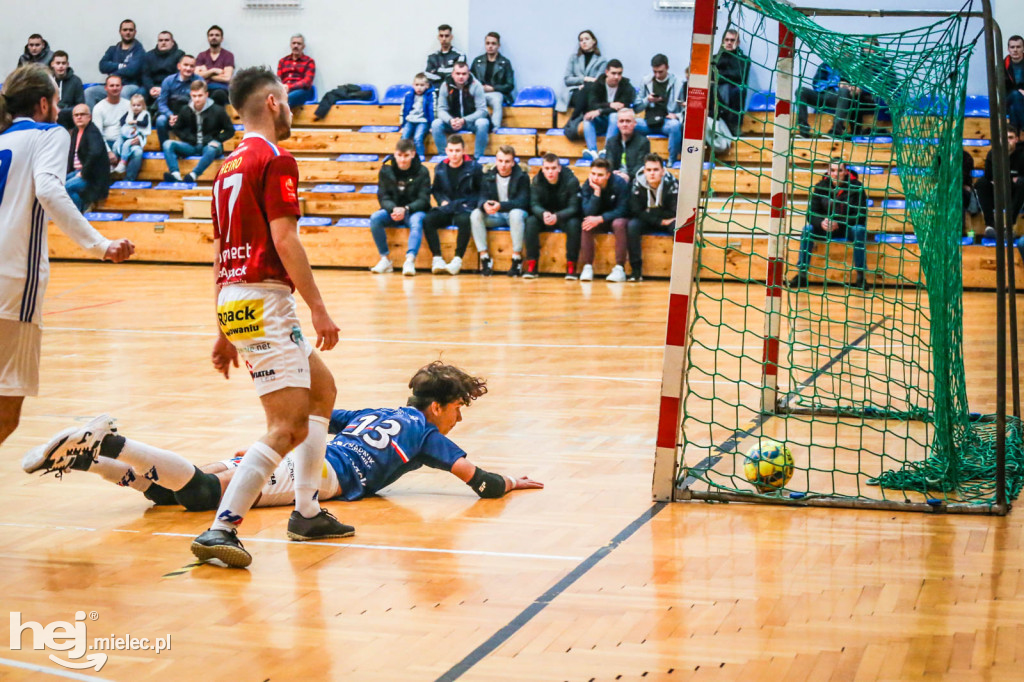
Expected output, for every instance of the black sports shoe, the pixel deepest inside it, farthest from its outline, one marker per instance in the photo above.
(805, 130)
(517, 268)
(223, 545)
(486, 267)
(798, 282)
(635, 277)
(861, 282)
(189, 177)
(321, 526)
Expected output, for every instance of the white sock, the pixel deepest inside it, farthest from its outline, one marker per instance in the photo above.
(259, 462)
(121, 473)
(163, 467)
(309, 464)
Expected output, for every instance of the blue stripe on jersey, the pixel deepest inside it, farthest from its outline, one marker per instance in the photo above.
(29, 125)
(273, 147)
(28, 297)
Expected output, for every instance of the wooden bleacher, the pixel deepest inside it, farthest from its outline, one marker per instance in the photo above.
(339, 151)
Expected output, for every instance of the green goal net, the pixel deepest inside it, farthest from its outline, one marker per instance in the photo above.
(852, 366)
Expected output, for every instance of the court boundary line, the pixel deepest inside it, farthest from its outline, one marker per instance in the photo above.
(540, 603)
(57, 672)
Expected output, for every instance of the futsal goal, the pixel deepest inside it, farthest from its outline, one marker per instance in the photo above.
(856, 366)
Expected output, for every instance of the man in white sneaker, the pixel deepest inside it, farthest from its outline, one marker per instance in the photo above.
(504, 198)
(605, 202)
(403, 190)
(456, 190)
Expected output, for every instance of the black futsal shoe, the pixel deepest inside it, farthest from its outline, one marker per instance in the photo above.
(223, 545)
(320, 527)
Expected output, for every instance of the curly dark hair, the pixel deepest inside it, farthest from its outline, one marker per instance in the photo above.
(444, 384)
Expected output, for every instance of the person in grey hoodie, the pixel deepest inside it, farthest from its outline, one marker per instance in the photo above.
(202, 129)
(584, 66)
(37, 51)
(462, 108)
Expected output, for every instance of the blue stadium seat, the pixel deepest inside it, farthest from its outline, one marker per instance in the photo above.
(357, 158)
(314, 221)
(977, 143)
(978, 173)
(895, 239)
(396, 94)
(147, 218)
(353, 222)
(976, 106)
(175, 185)
(103, 216)
(437, 158)
(334, 189)
(555, 132)
(316, 96)
(538, 161)
(516, 131)
(894, 203)
(128, 184)
(378, 129)
(761, 101)
(368, 189)
(153, 155)
(867, 170)
(535, 97)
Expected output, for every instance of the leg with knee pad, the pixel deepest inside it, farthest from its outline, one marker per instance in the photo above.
(202, 493)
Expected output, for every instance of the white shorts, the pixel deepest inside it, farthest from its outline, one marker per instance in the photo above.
(19, 358)
(279, 491)
(260, 321)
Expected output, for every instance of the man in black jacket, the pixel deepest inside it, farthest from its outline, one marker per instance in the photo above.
(494, 72)
(456, 190)
(403, 190)
(986, 189)
(554, 204)
(605, 98)
(732, 68)
(1014, 66)
(69, 87)
(604, 202)
(37, 51)
(202, 129)
(627, 150)
(504, 199)
(837, 209)
(88, 177)
(652, 203)
(439, 65)
(161, 62)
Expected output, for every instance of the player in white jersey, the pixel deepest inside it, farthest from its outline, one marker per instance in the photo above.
(33, 167)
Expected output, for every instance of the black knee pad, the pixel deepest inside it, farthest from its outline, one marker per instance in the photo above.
(202, 493)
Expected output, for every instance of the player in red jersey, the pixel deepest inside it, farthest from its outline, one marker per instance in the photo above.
(259, 262)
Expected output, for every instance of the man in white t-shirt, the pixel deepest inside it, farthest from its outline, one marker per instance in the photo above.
(107, 115)
(33, 165)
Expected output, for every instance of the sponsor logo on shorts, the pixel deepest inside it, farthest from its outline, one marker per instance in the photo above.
(263, 375)
(257, 348)
(241, 319)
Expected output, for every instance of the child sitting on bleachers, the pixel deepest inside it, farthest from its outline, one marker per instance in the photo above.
(418, 112)
(135, 128)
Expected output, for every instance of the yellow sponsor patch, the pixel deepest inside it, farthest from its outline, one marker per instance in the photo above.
(241, 319)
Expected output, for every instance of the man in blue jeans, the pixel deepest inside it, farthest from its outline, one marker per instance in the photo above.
(605, 98)
(403, 190)
(461, 108)
(202, 129)
(661, 97)
(175, 93)
(837, 209)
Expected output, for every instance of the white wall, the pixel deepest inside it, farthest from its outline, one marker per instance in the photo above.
(380, 41)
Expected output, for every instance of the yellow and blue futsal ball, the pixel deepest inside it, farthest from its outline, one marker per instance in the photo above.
(768, 465)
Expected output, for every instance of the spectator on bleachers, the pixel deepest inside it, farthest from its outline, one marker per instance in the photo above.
(456, 189)
(216, 66)
(1014, 64)
(69, 87)
(174, 94)
(662, 98)
(604, 200)
(161, 63)
(202, 129)
(403, 190)
(462, 108)
(652, 203)
(986, 187)
(836, 209)
(504, 200)
(967, 166)
(37, 51)
(554, 205)
(584, 67)
(823, 96)
(440, 64)
(494, 72)
(297, 70)
(136, 126)
(125, 59)
(605, 98)
(107, 114)
(627, 150)
(418, 112)
(88, 178)
(732, 67)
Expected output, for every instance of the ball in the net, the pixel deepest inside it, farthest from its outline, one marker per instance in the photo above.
(768, 465)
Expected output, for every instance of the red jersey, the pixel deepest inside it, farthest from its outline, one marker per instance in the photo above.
(257, 183)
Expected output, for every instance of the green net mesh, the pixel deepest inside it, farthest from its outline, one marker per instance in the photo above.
(872, 398)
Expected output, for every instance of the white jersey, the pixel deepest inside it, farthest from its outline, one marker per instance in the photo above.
(33, 167)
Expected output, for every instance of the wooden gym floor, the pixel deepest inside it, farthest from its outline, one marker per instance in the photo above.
(583, 580)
